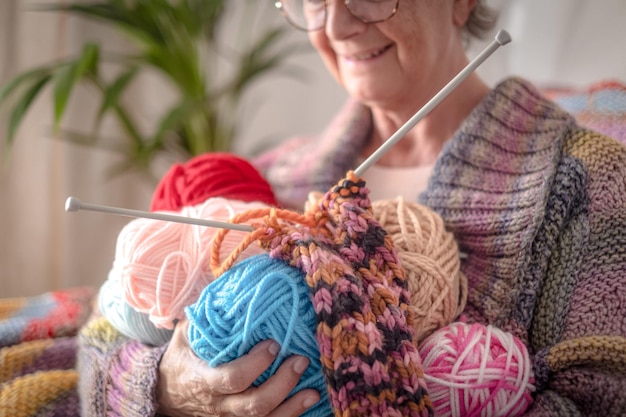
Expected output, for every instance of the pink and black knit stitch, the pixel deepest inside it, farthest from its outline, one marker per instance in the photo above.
(359, 293)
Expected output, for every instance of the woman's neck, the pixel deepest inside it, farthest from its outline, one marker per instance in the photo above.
(423, 143)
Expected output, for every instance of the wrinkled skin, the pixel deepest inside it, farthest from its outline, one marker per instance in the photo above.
(189, 387)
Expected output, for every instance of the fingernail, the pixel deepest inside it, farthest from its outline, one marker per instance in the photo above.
(274, 348)
(300, 365)
(309, 401)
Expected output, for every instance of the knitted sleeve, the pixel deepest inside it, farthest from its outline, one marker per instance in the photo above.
(118, 376)
(578, 330)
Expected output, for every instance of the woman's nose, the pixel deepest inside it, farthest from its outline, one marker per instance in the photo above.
(340, 23)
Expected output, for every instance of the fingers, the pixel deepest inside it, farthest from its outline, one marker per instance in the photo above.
(289, 373)
(191, 387)
(231, 378)
(269, 398)
(237, 375)
(297, 404)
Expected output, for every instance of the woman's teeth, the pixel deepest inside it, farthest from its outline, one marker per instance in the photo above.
(369, 55)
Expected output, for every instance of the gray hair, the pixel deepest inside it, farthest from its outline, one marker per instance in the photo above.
(481, 21)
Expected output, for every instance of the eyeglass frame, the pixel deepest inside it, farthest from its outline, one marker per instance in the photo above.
(279, 5)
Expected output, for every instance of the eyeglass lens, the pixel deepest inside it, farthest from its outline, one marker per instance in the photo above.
(311, 14)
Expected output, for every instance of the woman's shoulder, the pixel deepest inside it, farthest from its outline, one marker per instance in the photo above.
(348, 129)
(307, 163)
(522, 103)
(514, 122)
(274, 155)
(599, 107)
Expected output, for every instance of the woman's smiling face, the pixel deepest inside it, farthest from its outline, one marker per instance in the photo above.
(386, 63)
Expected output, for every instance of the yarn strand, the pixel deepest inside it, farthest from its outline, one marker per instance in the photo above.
(270, 222)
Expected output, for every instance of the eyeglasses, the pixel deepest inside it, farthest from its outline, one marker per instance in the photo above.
(310, 15)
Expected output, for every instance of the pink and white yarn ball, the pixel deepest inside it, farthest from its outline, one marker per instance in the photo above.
(476, 370)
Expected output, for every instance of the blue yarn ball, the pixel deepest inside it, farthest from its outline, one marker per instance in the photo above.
(128, 321)
(259, 298)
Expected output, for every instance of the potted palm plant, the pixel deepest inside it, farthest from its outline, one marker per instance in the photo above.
(183, 41)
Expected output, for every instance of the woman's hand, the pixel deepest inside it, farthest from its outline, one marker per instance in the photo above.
(189, 387)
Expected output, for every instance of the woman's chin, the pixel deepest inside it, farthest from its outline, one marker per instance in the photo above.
(369, 93)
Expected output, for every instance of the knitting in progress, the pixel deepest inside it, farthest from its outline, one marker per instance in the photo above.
(161, 267)
(251, 302)
(429, 256)
(242, 307)
(360, 297)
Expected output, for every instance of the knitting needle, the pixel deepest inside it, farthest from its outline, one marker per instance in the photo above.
(501, 38)
(74, 204)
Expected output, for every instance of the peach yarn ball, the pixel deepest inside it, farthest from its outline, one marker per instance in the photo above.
(164, 266)
(430, 257)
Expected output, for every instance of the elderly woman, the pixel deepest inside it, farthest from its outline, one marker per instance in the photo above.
(537, 204)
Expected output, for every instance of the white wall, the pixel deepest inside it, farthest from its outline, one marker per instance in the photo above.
(561, 42)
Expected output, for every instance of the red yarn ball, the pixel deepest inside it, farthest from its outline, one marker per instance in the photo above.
(214, 174)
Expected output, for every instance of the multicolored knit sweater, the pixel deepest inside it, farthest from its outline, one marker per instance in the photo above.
(536, 202)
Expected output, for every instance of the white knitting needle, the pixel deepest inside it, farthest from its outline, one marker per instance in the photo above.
(74, 204)
(502, 38)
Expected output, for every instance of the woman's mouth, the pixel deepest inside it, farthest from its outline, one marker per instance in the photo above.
(369, 55)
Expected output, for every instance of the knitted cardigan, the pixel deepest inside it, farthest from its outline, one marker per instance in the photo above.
(536, 202)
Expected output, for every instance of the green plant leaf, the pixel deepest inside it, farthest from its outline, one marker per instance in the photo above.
(89, 59)
(64, 80)
(14, 83)
(22, 106)
(259, 59)
(90, 141)
(67, 76)
(208, 15)
(172, 121)
(113, 92)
